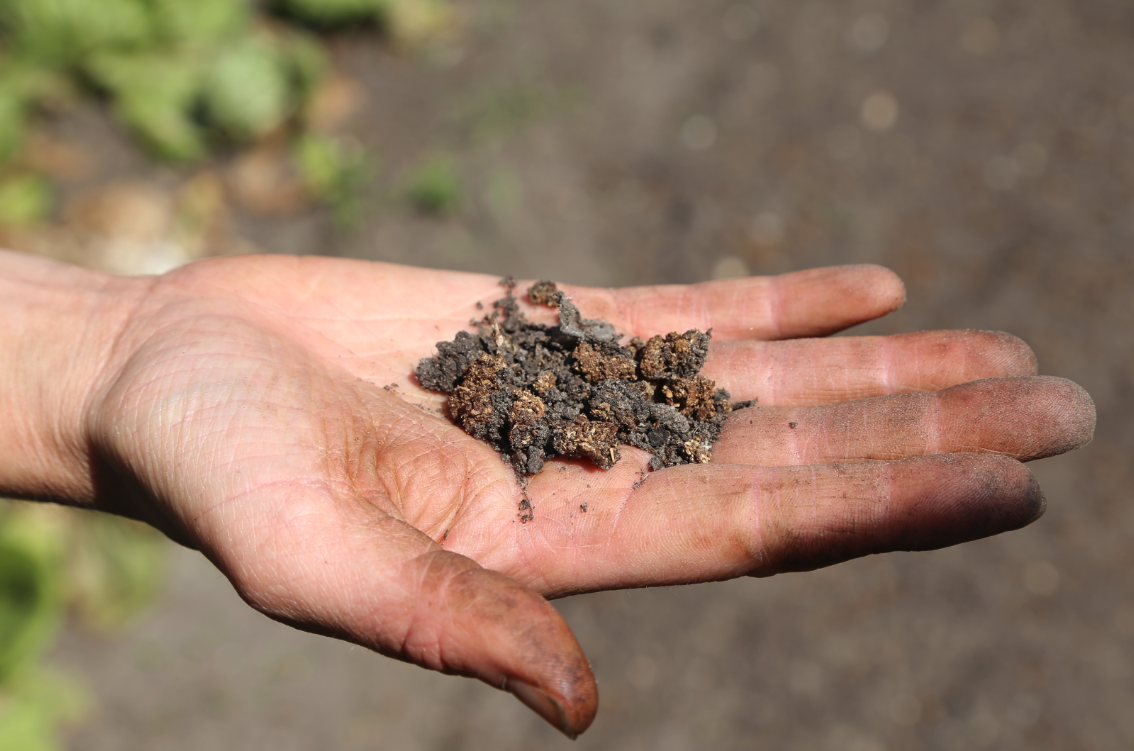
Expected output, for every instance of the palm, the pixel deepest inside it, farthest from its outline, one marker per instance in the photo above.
(263, 410)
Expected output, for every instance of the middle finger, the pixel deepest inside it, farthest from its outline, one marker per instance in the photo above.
(1025, 418)
(822, 371)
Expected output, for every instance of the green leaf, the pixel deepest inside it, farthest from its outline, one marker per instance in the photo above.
(67, 30)
(43, 549)
(416, 23)
(13, 117)
(154, 94)
(434, 187)
(23, 82)
(335, 173)
(33, 705)
(31, 604)
(25, 199)
(199, 22)
(330, 12)
(248, 89)
(303, 55)
(173, 76)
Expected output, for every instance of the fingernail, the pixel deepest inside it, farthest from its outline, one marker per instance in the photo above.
(542, 704)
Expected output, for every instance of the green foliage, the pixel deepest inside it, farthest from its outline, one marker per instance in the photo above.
(31, 596)
(410, 22)
(199, 23)
(174, 71)
(50, 557)
(63, 31)
(187, 76)
(306, 62)
(334, 172)
(244, 89)
(33, 706)
(434, 187)
(21, 83)
(330, 12)
(13, 110)
(416, 23)
(247, 92)
(24, 199)
(154, 94)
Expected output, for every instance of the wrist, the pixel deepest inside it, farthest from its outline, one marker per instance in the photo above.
(60, 324)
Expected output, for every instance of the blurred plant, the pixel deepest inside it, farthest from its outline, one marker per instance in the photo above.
(187, 77)
(35, 704)
(417, 23)
(248, 91)
(412, 23)
(49, 558)
(334, 172)
(153, 94)
(330, 12)
(25, 199)
(434, 187)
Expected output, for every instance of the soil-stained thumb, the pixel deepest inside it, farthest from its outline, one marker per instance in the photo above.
(407, 599)
(482, 624)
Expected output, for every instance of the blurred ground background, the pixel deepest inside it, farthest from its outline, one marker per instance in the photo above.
(984, 149)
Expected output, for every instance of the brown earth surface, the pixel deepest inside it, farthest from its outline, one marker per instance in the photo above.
(984, 149)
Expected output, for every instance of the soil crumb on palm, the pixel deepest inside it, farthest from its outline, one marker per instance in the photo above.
(536, 392)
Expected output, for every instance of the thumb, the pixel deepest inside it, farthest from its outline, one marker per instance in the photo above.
(476, 622)
(394, 590)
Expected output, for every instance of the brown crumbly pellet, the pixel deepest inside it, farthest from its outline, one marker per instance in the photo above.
(674, 355)
(544, 293)
(597, 366)
(536, 392)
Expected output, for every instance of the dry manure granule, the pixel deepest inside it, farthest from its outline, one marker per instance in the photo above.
(536, 392)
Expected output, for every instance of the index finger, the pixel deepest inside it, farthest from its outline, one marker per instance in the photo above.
(815, 302)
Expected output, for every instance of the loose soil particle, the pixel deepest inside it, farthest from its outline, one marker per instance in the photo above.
(536, 392)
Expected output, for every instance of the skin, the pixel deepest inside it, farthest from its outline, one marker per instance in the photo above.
(238, 405)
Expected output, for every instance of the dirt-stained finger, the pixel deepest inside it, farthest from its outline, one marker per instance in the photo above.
(822, 371)
(1025, 418)
(924, 503)
(712, 522)
(390, 588)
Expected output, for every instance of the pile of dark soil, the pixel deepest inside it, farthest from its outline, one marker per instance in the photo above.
(536, 392)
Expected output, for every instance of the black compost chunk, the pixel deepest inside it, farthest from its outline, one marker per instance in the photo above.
(536, 392)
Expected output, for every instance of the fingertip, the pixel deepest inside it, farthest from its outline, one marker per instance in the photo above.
(566, 700)
(818, 302)
(875, 288)
(512, 631)
(1011, 490)
(445, 612)
(955, 498)
(1074, 408)
(922, 503)
(996, 353)
(889, 289)
(1049, 415)
(1035, 502)
(552, 711)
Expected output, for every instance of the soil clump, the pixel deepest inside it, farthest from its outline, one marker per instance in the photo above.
(536, 392)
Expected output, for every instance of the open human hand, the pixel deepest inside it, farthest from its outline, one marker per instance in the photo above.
(263, 411)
